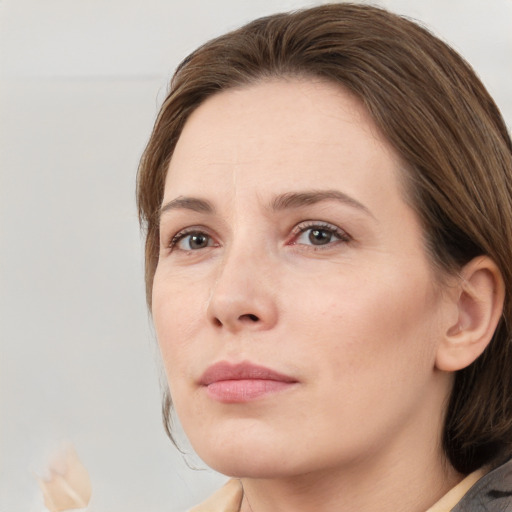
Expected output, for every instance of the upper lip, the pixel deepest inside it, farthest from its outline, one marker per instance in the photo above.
(241, 371)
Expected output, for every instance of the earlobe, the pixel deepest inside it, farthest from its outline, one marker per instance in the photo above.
(481, 292)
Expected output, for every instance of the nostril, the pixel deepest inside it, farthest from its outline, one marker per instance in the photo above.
(250, 316)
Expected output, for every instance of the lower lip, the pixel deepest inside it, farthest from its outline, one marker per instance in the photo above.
(244, 390)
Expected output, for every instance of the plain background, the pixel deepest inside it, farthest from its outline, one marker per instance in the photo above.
(81, 82)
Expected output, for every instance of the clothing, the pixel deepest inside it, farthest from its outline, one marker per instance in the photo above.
(227, 499)
(480, 491)
(492, 493)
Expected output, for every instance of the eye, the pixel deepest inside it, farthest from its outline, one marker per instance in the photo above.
(318, 234)
(191, 241)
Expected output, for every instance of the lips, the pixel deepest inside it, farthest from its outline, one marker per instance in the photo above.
(244, 382)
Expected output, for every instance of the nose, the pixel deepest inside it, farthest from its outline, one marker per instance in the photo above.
(243, 296)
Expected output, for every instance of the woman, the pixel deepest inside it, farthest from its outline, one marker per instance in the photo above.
(327, 202)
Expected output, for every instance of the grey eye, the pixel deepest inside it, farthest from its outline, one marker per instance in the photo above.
(319, 236)
(193, 241)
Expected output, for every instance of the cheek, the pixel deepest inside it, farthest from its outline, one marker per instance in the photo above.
(369, 328)
(176, 316)
(369, 354)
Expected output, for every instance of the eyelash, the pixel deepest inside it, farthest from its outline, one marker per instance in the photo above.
(342, 236)
(181, 235)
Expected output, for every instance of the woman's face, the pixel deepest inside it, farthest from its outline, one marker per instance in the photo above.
(296, 311)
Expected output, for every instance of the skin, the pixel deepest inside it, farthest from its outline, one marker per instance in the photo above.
(357, 321)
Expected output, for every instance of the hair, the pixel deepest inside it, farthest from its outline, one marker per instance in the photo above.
(434, 111)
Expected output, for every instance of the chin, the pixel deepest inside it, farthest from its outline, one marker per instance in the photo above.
(242, 456)
(249, 466)
(263, 457)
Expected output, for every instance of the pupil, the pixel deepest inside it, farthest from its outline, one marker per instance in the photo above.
(198, 241)
(319, 236)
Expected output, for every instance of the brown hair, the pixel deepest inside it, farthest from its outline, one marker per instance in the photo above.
(438, 116)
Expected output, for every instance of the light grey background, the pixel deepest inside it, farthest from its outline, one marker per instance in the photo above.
(81, 81)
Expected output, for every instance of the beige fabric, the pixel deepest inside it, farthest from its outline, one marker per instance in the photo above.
(452, 497)
(66, 485)
(229, 497)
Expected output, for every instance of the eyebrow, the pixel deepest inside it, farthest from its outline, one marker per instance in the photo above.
(187, 203)
(288, 200)
(299, 199)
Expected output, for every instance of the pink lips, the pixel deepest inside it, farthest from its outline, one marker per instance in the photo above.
(244, 382)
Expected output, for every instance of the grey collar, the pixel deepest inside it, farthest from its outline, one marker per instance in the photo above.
(492, 493)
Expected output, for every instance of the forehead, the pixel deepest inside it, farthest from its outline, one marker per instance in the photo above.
(261, 135)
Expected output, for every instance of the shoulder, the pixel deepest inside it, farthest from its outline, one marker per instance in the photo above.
(492, 493)
(227, 499)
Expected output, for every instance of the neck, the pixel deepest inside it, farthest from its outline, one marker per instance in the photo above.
(365, 487)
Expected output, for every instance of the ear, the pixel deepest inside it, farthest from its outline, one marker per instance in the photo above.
(479, 300)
